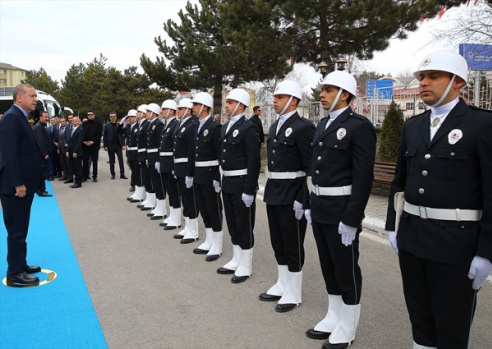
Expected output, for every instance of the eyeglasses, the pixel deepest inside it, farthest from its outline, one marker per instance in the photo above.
(90, 114)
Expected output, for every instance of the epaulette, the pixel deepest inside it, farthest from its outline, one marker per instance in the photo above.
(357, 116)
(480, 109)
(421, 114)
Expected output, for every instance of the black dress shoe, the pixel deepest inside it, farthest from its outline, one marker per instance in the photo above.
(62, 178)
(134, 200)
(162, 224)
(94, 179)
(171, 227)
(199, 251)
(158, 217)
(223, 270)
(123, 176)
(23, 279)
(177, 236)
(188, 241)
(45, 195)
(238, 279)
(84, 179)
(51, 179)
(265, 297)
(31, 269)
(212, 257)
(143, 208)
(76, 185)
(68, 181)
(312, 333)
(112, 177)
(329, 345)
(283, 308)
(132, 189)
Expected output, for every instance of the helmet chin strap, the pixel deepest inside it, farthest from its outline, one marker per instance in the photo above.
(286, 106)
(234, 110)
(445, 94)
(340, 90)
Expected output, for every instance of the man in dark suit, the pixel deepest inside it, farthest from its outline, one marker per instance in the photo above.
(444, 242)
(240, 162)
(342, 172)
(68, 135)
(114, 143)
(255, 119)
(207, 176)
(44, 144)
(93, 129)
(61, 149)
(75, 151)
(289, 157)
(20, 175)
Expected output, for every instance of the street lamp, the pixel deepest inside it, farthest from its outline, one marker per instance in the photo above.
(340, 63)
(324, 68)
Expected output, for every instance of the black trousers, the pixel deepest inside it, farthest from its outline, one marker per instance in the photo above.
(57, 169)
(190, 206)
(135, 173)
(112, 151)
(16, 216)
(287, 236)
(77, 168)
(90, 156)
(210, 205)
(157, 182)
(171, 187)
(440, 301)
(146, 180)
(339, 263)
(64, 163)
(44, 174)
(240, 220)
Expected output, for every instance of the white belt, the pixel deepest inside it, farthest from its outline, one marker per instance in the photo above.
(180, 160)
(154, 150)
(131, 148)
(445, 214)
(286, 175)
(166, 153)
(206, 163)
(141, 150)
(233, 173)
(332, 191)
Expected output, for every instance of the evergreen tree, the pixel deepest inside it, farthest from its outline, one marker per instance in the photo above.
(41, 81)
(390, 135)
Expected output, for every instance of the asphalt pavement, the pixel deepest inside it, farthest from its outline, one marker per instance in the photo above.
(150, 291)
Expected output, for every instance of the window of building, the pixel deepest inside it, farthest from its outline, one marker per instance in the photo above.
(2, 71)
(409, 106)
(3, 81)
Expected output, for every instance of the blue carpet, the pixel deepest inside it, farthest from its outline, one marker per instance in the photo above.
(60, 313)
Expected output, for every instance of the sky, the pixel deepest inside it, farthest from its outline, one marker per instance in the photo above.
(57, 34)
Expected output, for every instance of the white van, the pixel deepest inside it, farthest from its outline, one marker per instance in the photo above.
(46, 102)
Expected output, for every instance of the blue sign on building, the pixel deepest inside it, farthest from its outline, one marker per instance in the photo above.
(478, 57)
(379, 89)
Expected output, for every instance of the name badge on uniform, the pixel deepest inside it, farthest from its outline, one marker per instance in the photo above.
(288, 132)
(183, 129)
(153, 128)
(341, 133)
(135, 130)
(205, 133)
(235, 133)
(454, 136)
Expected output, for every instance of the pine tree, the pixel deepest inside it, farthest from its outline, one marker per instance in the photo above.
(390, 135)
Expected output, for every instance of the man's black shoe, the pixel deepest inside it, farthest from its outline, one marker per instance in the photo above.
(76, 185)
(132, 189)
(223, 270)
(312, 333)
(46, 195)
(84, 179)
(329, 345)
(23, 279)
(62, 178)
(68, 181)
(112, 176)
(265, 297)
(238, 279)
(283, 308)
(31, 269)
(50, 179)
(123, 176)
(94, 179)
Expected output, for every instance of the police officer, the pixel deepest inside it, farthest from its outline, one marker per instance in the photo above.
(149, 202)
(342, 172)
(240, 162)
(139, 194)
(165, 164)
(154, 131)
(207, 176)
(289, 157)
(444, 239)
(130, 132)
(184, 170)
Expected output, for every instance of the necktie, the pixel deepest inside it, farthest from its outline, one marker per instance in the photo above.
(329, 122)
(279, 125)
(229, 126)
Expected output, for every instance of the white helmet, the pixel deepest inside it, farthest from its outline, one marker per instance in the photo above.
(343, 80)
(185, 103)
(447, 61)
(290, 88)
(240, 95)
(142, 108)
(203, 98)
(154, 108)
(132, 112)
(169, 104)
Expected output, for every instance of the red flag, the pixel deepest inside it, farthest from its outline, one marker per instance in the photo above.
(443, 9)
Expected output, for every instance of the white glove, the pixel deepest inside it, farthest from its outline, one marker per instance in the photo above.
(147, 163)
(188, 182)
(157, 166)
(247, 199)
(347, 233)
(298, 210)
(392, 240)
(217, 186)
(307, 214)
(123, 120)
(480, 269)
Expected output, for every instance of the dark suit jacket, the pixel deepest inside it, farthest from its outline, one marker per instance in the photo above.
(42, 139)
(343, 154)
(108, 136)
(240, 150)
(20, 152)
(75, 142)
(256, 120)
(207, 149)
(289, 150)
(446, 173)
(184, 147)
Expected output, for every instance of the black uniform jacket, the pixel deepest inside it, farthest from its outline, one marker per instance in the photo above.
(240, 150)
(289, 150)
(93, 130)
(452, 171)
(166, 145)
(142, 141)
(130, 133)
(19, 153)
(207, 144)
(154, 131)
(343, 154)
(184, 147)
